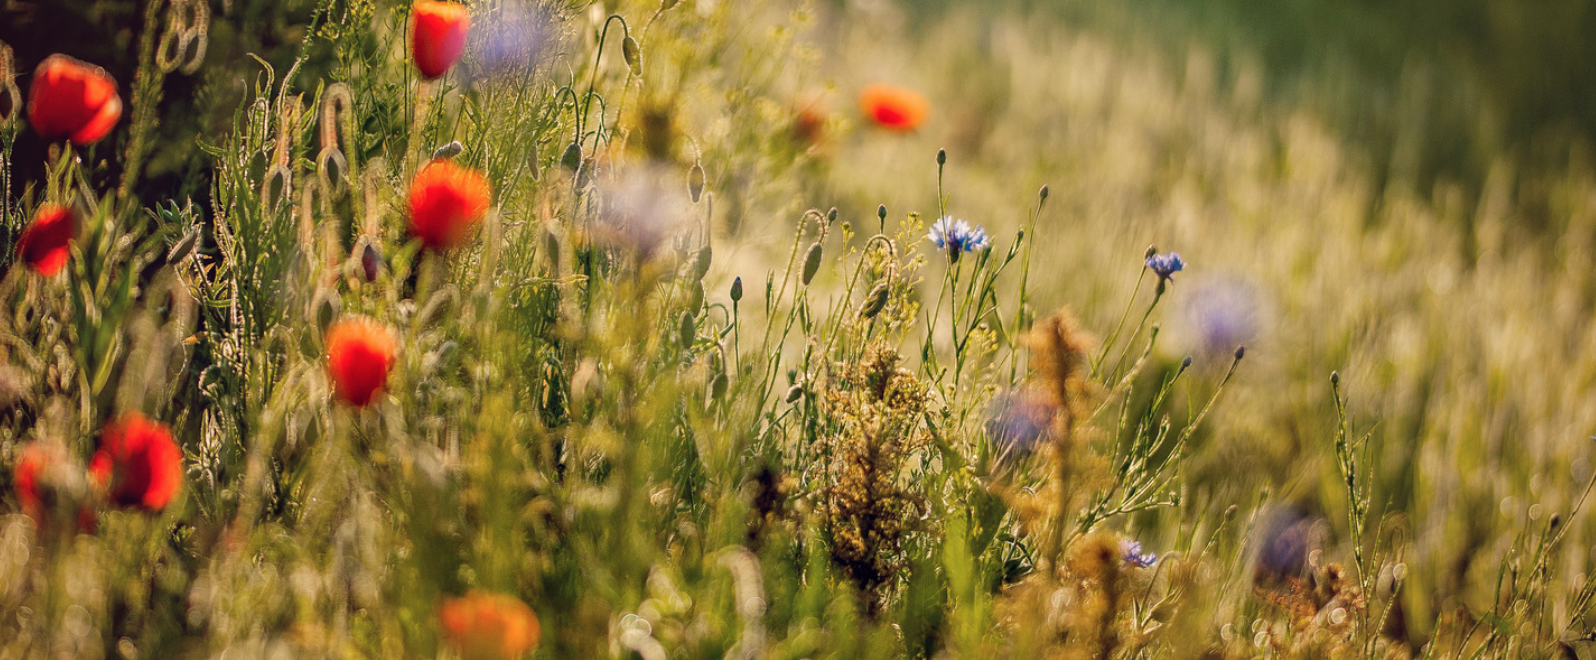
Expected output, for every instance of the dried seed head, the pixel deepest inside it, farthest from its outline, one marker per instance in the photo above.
(811, 263)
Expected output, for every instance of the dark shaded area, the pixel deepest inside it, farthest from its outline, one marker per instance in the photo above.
(201, 105)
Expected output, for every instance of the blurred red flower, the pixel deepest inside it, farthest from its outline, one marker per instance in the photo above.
(359, 355)
(894, 108)
(437, 35)
(488, 626)
(446, 201)
(138, 462)
(43, 246)
(72, 100)
(31, 465)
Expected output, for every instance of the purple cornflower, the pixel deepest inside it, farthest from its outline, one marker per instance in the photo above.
(957, 237)
(1166, 265)
(1131, 552)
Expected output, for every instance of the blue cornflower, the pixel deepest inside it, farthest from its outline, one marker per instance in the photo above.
(1166, 265)
(957, 237)
(1131, 552)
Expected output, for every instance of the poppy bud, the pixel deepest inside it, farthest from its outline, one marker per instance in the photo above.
(138, 463)
(370, 262)
(446, 202)
(1043, 194)
(183, 248)
(695, 297)
(881, 213)
(43, 246)
(688, 329)
(737, 289)
(72, 100)
(572, 158)
(437, 35)
(489, 626)
(717, 387)
(942, 157)
(1241, 352)
(795, 393)
(695, 182)
(701, 263)
(811, 263)
(831, 216)
(360, 354)
(449, 150)
(633, 54)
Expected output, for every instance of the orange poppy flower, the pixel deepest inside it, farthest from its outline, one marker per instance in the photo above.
(138, 462)
(72, 100)
(894, 108)
(489, 626)
(359, 355)
(437, 35)
(446, 202)
(44, 245)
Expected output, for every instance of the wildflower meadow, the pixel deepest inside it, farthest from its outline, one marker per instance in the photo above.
(501, 329)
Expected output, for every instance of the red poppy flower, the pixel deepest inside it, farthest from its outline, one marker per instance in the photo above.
(43, 246)
(437, 35)
(359, 355)
(72, 100)
(446, 201)
(138, 462)
(894, 108)
(489, 626)
(31, 465)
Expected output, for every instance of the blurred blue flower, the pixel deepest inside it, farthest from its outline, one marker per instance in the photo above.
(1131, 551)
(1166, 265)
(1224, 313)
(957, 237)
(1018, 423)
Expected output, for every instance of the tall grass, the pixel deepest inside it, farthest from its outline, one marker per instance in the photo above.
(700, 385)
